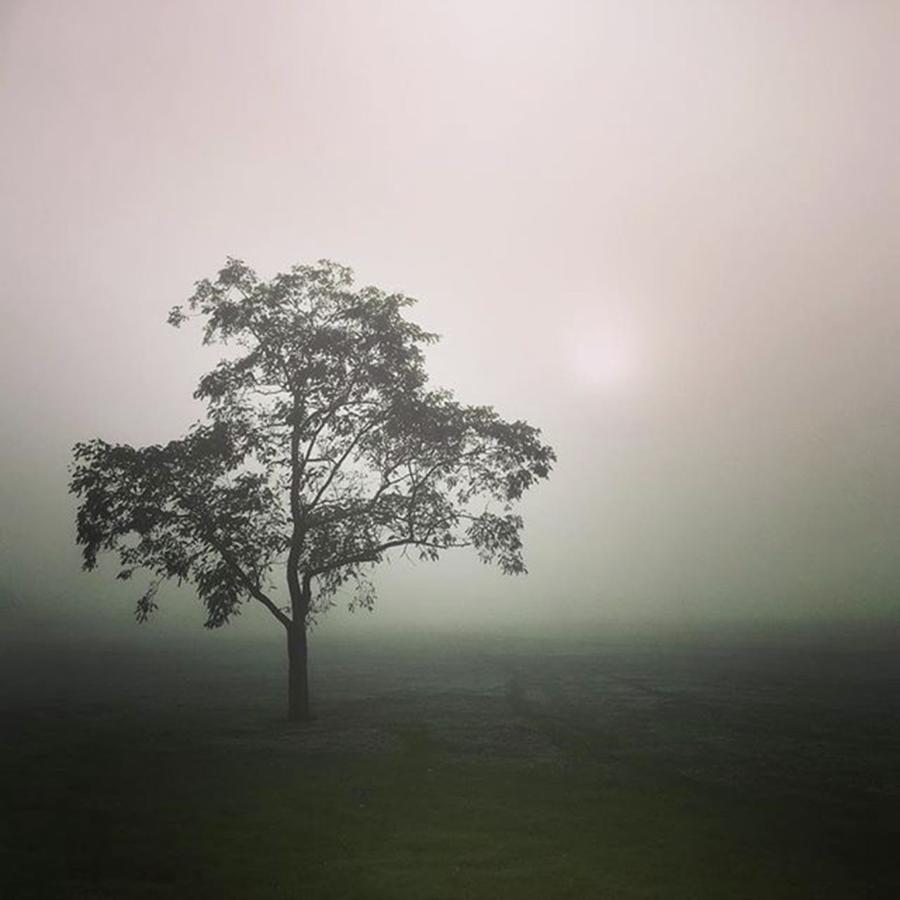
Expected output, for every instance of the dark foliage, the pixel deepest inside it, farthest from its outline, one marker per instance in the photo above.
(324, 449)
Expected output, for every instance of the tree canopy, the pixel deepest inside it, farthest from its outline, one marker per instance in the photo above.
(324, 448)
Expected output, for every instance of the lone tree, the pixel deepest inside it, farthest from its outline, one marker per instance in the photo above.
(324, 448)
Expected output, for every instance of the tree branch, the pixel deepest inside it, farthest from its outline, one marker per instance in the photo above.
(373, 422)
(372, 554)
(254, 591)
(252, 588)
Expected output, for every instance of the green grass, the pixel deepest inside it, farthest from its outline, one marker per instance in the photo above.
(519, 788)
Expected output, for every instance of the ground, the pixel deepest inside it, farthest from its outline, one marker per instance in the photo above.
(454, 768)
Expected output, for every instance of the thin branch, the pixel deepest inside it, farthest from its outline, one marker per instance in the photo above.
(248, 582)
(226, 555)
(373, 553)
(376, 420)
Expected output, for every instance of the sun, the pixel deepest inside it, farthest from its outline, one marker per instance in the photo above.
(604, 356)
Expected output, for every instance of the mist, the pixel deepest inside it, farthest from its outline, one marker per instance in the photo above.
(667, 234)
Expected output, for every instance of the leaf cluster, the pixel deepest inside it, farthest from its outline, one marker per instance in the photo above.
(324, 449)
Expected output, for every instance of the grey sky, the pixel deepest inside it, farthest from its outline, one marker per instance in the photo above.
(665, 232)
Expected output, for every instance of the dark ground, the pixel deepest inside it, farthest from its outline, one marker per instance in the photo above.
(719, 768)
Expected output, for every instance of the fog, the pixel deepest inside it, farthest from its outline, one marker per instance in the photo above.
(665, 233)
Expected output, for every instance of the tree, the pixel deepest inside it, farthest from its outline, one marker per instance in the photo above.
(323, 449)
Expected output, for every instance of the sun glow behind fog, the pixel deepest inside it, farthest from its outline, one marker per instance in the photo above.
(605, 355)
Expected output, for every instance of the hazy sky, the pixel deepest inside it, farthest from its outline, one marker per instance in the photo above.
(665, 232)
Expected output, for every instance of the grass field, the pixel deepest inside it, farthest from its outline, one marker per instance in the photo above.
(457, 768)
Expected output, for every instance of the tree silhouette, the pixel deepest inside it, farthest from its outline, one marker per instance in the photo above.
(324, 448)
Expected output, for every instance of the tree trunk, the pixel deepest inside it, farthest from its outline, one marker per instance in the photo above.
(298, 677)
